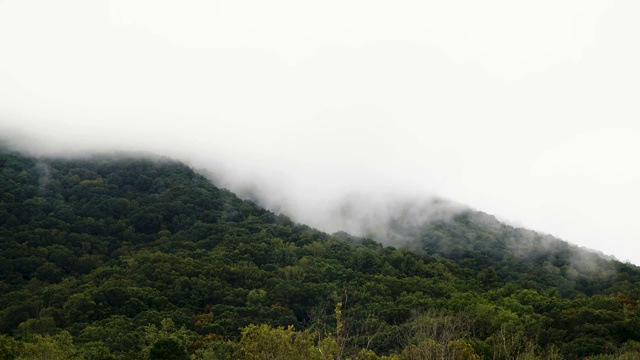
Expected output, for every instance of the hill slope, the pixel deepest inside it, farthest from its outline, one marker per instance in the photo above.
(134, 258)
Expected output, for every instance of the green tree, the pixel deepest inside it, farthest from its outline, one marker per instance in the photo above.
(262, 342)
(10, 348)
(49, 347)
(168, 349)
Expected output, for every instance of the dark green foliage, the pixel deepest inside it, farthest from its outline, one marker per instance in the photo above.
(102, 251)
(168, 349)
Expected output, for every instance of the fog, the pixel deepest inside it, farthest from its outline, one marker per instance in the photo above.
(526, 110)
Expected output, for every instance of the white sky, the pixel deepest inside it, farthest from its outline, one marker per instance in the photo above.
(528, 110)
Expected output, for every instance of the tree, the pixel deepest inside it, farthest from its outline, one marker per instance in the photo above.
(262, 342)
(9, 348)
(168, 349)
(49, 347)
(432, 350)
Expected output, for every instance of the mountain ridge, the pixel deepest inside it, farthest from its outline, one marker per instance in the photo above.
(97, 248)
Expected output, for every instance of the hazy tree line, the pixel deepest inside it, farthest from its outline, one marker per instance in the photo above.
(144, 259)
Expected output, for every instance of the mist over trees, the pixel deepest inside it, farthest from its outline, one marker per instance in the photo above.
(133, 258)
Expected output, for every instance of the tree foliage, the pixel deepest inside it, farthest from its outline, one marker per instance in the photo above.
(132, 258)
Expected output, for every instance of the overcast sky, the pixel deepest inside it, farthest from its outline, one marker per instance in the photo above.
(528, 110)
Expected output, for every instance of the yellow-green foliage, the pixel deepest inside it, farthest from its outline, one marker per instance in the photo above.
(433, 350)
(48, 347)
(263, 342)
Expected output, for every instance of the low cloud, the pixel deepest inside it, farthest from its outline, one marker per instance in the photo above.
(302, 106)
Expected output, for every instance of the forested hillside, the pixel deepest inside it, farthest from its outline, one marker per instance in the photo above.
(131, 258)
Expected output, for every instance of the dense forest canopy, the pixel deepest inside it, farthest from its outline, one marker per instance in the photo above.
(134, 258)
